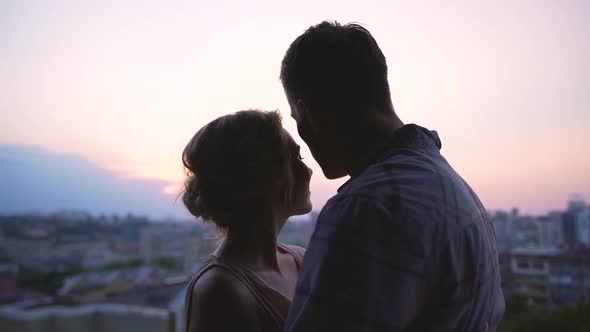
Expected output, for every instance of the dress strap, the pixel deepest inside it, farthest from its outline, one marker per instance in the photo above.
(298, 258)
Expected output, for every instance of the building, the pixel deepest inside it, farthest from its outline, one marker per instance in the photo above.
(576, 226)
(174, 241)
(9, 290)
(168, 296)
(505, 226)
(159, 240)
(526, 232)
(196, 249)
(153, 308)
(513, 231)
(89, 318)
(576, 203)
(583, 226)
(97, 286)
(551, 275)
(502, 225)
(97, 258)
(570, 228)
(8, 276)
(550, 230)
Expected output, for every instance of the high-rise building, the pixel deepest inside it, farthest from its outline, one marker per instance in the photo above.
(503, 226)
(192, 248)
(550, 231)
(570, 229)
(576, 226)
(576, 203)
(583, 226)
(171, 241)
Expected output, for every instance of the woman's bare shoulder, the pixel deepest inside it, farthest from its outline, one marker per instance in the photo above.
(220, 302)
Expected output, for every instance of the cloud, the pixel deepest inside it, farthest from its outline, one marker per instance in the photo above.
(34, 179)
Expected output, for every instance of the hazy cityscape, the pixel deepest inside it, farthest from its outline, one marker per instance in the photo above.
(66, 265)
(74, 270)
(99, 98)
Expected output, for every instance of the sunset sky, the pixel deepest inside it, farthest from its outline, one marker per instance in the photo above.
(126, 84)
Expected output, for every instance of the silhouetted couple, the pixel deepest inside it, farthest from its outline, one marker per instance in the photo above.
(405, 244)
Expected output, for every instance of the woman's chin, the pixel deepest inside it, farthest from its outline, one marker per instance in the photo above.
(308, 207)
(305, 209)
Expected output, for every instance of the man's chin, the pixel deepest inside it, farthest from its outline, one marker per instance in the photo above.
(333, 174)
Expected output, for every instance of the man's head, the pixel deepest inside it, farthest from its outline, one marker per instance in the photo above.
(335, 79)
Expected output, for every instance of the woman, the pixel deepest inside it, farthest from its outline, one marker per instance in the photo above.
(245, 174)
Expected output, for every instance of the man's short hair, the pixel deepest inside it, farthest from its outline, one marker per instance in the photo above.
(336, 66)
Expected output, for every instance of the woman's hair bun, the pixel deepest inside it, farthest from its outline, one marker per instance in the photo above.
(232, 165)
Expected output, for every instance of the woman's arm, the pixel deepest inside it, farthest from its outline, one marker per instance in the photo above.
(220, 303)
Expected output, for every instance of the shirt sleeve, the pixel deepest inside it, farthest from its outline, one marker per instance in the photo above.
(359, 272)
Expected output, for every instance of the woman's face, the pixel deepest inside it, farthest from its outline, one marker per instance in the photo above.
(301, 175)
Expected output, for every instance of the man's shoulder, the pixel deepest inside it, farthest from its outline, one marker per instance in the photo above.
(352, 199)
(419, 191)
(391, 225)
(398, 169)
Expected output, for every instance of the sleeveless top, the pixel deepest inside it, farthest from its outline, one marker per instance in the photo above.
(273, 305)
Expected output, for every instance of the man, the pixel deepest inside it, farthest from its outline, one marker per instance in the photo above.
(405, 245)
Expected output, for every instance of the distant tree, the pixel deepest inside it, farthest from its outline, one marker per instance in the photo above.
(13, 230)
(122, 265)
(44, 282)
(167, 263)
(568, 319)
(516, 305)
(5, 259)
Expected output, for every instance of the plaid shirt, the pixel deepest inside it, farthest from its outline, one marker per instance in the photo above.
(405, 245)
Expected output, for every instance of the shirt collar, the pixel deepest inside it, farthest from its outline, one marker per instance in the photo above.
(410, 136)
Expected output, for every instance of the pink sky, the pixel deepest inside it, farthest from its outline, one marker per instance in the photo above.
(127, 83)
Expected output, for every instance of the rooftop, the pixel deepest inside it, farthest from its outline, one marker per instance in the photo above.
(26, 311)
(538, 251)
(161, 296)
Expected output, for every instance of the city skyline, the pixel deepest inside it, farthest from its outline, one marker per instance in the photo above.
(124, 85)
(29, 187)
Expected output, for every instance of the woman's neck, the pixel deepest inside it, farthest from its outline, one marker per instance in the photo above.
(253, 247)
